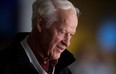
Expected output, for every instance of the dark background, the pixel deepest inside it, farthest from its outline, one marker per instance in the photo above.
(8, 21)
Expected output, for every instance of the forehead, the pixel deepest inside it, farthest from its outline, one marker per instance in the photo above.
(67, 19)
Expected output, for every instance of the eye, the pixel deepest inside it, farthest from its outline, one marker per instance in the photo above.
(61, 33)
(72, 34)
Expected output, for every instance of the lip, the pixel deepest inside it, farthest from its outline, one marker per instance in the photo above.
(61, 48)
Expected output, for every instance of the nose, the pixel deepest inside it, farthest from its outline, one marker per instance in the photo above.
(66, 40)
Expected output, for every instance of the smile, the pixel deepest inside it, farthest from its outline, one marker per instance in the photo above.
(61, 49)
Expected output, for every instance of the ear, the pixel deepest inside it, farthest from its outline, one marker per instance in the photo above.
(39, 21)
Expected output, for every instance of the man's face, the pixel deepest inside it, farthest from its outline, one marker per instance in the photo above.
(58, 36)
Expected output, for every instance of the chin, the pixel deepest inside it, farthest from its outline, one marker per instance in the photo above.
(56, 56)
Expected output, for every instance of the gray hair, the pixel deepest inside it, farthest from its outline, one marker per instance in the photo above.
(47, 10)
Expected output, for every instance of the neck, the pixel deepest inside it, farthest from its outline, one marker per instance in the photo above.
(34, 41)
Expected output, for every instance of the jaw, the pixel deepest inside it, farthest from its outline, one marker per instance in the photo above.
(55, 53)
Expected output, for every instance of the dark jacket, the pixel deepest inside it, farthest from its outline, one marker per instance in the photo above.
(13, 60)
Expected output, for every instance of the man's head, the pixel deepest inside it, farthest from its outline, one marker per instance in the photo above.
(57, 21)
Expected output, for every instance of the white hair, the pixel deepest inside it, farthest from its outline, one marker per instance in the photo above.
(47, 10)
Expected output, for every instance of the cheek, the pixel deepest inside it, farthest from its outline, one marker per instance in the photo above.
(58, 39)
(55, 41)
(54, 50)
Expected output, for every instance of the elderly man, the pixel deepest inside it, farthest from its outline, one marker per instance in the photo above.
(43, 51)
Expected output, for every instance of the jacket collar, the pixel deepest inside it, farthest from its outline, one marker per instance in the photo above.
(65, 60)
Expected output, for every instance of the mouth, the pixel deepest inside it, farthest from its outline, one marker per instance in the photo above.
(60, 49)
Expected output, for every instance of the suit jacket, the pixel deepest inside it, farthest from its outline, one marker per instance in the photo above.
(13, 60)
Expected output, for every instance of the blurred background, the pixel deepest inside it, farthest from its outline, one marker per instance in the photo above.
(93, 45)
(9, 11)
